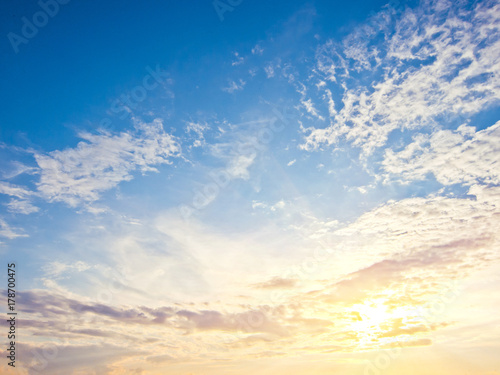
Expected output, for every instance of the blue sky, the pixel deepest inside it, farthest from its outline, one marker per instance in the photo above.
(333, 168)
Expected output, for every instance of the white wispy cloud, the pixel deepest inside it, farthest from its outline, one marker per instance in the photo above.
(8, 232)
(56, 268)
(238, 60)
(15, 191)
(21, 201)
(461, 156)
(435, 63)
(276, 283)
(238, 166)
(238, 156)
(269, 71)
(257, 50)
(21, 206)
(101, 162)
(234, 86)
(307, 102)
(16, 168)
(435, 236)
(199, 129)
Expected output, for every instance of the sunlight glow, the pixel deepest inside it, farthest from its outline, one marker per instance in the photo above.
(370, 315)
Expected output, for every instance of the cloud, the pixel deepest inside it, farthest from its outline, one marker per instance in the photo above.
(100, 162)
(257, 50)
(398, 328)
(16, 168)
(274, 67)
(424, 67)
(21, 207)
(8, 232)
(160, 358)
(409, 343)
(198, 129)
(65, 359)
(401, 253)
(238, 166)
(238, 59)
(248, 321)
(307, 103)
(453, 157)
(51, 305)
(15, 191)
(240, 150)
(276, 283)
(234, 86)
(54, 309)
(269, 71)
(409, 250)
(56, 268)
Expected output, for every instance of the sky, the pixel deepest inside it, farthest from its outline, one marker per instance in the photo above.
(240, 187)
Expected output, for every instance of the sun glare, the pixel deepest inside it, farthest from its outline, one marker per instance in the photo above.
(370, 315)
(371, 319)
